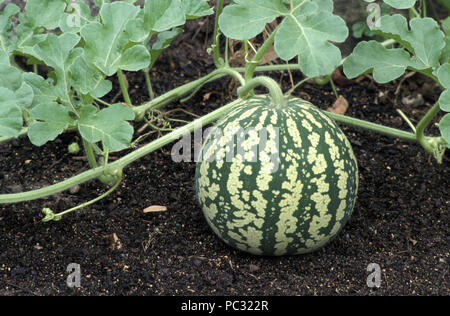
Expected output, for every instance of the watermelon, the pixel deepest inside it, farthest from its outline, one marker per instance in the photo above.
(276, 180)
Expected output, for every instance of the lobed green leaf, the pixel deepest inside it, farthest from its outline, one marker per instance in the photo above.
(401, 4)
(307, 30)
(51, 119)
(43, 90)
(58, 52)
(443, 75)
(425, 40)
(108, 126)
(38, 16)
(445, 58)
(87, 79)
(5, 27)
(107, 45)
(162, 15)
(194, 9)
(12, 79)
(386, 64)
(247, 18)
(45, 13)
(4, 58)
(11, 121)
(444, 127)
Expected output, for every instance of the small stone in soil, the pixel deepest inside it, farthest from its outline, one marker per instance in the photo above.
(75, 189)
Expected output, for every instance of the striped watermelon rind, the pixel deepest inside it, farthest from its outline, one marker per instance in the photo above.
(293, 208)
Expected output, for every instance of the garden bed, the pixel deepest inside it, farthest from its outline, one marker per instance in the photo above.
(400, 220)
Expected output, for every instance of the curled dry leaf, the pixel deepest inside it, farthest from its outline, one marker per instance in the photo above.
(341, 80)
(340, 106)
(155, 208)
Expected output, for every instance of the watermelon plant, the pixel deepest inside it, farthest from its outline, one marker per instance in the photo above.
(58, 60)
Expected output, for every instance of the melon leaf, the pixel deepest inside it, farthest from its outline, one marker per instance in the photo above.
(5, 27)
(401, 4)
(386, 64)
(10, 114)
(51, 119)
(108, 46)
(307, 30)
(444, 127)
(109, 126)
(443, 74)
(424, 39)
(87, 79)
(58, 52)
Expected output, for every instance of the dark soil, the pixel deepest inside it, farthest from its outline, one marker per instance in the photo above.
(400, 222)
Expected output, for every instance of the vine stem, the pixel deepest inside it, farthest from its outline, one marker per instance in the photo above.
(102, 102)
(420, 129)
(253, 64)
(333, 86)
(148, 82)
(424, 8)
(415, 13)
(122, 162)
(231, 71)
(184, 89)
(104, 195)
(381, 129)
(90, 154)
(274, 90)
(216, 47)
(123, 87)
(297, 85)
(407, 120)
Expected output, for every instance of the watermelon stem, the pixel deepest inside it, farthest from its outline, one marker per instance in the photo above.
(218, 61)
(180, 91)
(123, 87)
(424, 122)
(381, 129)
(253, 64)
(274, 89)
